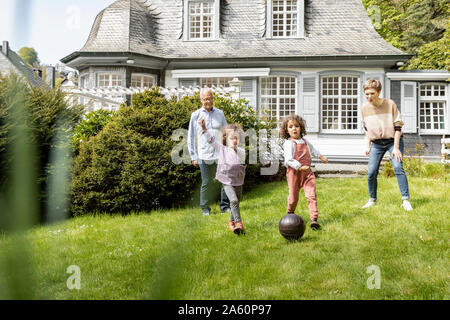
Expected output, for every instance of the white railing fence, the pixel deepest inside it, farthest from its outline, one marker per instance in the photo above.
(112, 97)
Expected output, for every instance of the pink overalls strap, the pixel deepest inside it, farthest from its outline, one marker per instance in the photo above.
(302, 154)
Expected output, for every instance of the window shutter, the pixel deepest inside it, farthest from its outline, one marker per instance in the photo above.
(248, 91)
(309, 107)
(409, 106)
(447, 116)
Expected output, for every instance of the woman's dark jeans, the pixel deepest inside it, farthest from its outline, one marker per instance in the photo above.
(377, 151)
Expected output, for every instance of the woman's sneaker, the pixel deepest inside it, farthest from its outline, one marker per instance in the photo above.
(239, 228)
(231, 226)
(369, 204)
(407, 205)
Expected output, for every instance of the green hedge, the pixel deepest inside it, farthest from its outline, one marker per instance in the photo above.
(91, 125)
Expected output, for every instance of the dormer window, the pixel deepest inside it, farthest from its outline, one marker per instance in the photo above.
(201, 19)
(285, 18)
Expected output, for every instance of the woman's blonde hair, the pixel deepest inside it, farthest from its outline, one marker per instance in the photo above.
(372, 84)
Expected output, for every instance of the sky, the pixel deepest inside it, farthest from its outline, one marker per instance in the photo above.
(54, 28)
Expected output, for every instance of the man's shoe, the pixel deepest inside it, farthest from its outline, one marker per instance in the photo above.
(407, 205)
(369, 204)
(206, 212)
(314, 225)
(239, 228)
(231, 226)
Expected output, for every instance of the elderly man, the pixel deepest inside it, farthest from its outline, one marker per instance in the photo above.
(205, 156)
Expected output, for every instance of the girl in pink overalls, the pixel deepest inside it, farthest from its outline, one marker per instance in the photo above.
(297, 159)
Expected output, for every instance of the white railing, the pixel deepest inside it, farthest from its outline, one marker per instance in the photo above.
(445, 151)
(112, 97)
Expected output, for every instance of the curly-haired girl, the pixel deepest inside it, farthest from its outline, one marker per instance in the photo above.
(297, 159)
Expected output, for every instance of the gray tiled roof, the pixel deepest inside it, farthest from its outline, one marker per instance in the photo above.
(24, 69)
(155, 27)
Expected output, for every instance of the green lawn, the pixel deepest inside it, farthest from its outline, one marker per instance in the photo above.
(179, 254)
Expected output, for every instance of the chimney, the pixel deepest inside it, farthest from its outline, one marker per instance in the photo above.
(37, 72)
(50, 76)
(5, 48)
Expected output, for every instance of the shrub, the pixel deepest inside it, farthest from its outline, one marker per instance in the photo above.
(387, 170)
(127, 166)
(415, 166)
(92, 124)
(46, 110)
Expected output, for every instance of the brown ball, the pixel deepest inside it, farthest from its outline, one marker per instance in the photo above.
(292, 226)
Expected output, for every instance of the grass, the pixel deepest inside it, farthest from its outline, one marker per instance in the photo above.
(179, 254)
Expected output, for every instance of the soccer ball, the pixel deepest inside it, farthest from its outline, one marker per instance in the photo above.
(292, 226)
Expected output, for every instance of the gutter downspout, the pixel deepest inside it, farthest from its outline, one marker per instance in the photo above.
(162, 79)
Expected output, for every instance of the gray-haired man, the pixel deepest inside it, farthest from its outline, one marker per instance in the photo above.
(204, 156)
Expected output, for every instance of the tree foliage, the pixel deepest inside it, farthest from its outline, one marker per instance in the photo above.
(414, 26)
(29, 55)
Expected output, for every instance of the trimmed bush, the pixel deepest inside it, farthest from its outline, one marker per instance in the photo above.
(91, 125)
(127, 166)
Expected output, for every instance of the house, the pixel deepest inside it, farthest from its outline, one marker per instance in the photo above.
(310, 57)
(10, 61)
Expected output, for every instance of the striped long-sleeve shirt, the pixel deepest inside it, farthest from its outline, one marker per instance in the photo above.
(381, 122)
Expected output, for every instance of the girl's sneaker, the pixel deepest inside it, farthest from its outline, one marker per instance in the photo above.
(239, 228)
(231, 226)
(314, 225)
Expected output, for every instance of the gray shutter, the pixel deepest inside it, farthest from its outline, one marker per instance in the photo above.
(409, 106)
(447, 117)
(248, 91)
(310, 101)
(396, 94)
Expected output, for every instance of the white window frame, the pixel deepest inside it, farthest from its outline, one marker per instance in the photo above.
(142, 75)
(300, 21)
(278, 96)
(217, 80)
(340, 96)
(434, 99)
(115, 96)
(215, 21)
(84, 81)
(110, 74)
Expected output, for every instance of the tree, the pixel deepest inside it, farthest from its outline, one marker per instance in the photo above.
(30, 56)
(433, 55)
(426, 22)
(414, 26)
